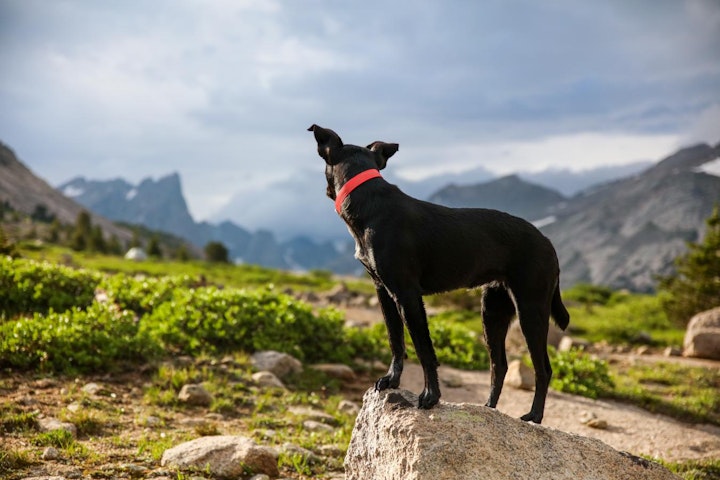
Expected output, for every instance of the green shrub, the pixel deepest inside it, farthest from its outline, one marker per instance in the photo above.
(455, 344)
(577, 372)
(213, 321)
(142, 294)
(28, 287)
(78, 340)
(622, 318)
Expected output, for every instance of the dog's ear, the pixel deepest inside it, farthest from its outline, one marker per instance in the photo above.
(383, 151)
(329, 144)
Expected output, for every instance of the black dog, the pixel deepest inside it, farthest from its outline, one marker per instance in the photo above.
(413, 248)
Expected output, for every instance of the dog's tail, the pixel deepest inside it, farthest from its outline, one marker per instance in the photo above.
(558, 310)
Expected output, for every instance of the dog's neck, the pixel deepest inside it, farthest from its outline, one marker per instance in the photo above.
(352, 184)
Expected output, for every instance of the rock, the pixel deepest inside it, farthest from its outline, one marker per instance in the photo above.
(336, 370)
(568, 343)
(195, 394)
(702, 337)
(330, 450)
(642, 350)
(226, 456)
(315, 426)
(339, 294)
(520, 376)
(292, 450)
(592, 421)
(280, 364)
(267, 379)
(93, 388)
(394, 439)
(348, 407)
(48, 424)
(672, 352)
(50, 453)
(312, 414)
(451, 379)
(150, 421)
(515, 339)
(260, 476)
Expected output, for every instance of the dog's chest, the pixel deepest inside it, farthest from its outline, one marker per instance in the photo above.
(363, 253)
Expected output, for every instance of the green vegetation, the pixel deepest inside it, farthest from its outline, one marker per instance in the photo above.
(600, 315)
(695, 287)
(695, 469)
(684, 392)
(576, 372)
(115, 315)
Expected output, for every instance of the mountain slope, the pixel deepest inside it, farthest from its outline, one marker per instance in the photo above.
(624, 233)
(509, 194)
(24, 191)
(156, 204)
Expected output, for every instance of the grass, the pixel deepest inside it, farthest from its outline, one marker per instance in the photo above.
(621, 318)
(226, 274)
(683, 392)
(695, 469)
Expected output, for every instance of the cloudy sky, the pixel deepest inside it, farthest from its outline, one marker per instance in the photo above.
(222, 91)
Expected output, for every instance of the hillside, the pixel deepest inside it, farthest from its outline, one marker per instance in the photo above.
(624, 233)
(24, 191)
(510, 194)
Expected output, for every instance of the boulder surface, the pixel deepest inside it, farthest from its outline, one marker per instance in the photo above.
(394, 439)
(702, 337)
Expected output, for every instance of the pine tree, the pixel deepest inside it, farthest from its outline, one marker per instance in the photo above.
(80, 239)
(153, 248)
(695, 287)
(216, 252)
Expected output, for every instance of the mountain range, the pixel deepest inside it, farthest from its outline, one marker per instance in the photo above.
(621, 231)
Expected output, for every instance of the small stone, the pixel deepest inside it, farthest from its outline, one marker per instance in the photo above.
(315, 426)
(292, 450)
(312, 414)
(452, 379)
(643, 350)
(336, 370)
(598, 423)
(330, 451)
(260, 476)
(134, 470)
(592, 421)
(93, 388)
(267, 379)
(150, 421)
(567, 343)
(348, 407)
(49, 424)
(672, 352)
(50, 453)
(281, 364)
(195, 394)
(520, 376)
(74, 407)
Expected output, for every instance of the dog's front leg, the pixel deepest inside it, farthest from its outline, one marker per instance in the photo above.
(412, 311)
(394, 325)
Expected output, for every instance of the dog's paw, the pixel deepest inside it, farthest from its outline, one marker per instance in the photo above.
(532, 417)
(428, 399)
(388, 381)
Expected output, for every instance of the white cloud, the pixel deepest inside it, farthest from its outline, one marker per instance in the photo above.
(575, 152)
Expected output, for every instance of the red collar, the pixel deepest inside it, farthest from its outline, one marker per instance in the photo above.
(352, 184)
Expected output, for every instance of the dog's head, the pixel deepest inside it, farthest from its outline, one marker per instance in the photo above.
(345, 161)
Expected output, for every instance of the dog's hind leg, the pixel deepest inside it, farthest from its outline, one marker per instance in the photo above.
(498, 310)
(534, 319)
(396, 336)
(412, 311)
